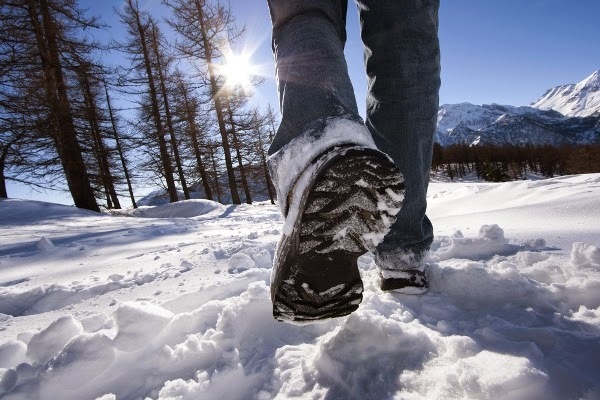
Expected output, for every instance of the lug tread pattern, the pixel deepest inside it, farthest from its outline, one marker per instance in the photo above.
(348, 201)
(344, 204)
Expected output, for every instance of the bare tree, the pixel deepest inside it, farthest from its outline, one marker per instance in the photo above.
(262, 125)
(205, 27)
(188, 108)
(41, 37)
(139, 30)
(161, 70)
(92, 115)
(119, 146)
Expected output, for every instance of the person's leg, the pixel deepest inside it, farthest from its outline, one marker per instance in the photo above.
(338, 193)
(402, 60)
(313, 84)
(312, 76)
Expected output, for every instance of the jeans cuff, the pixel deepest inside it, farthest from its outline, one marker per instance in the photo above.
(401, 261)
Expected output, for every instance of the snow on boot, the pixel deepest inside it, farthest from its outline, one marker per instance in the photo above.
(341, 207)
(405, 282)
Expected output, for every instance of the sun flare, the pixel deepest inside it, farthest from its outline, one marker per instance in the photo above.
(237, 70)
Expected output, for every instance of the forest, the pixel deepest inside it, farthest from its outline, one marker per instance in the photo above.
(189, 128)
(186, 129)
(510, 162)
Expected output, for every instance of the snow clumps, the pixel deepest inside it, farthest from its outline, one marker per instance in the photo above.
(585, 255)
(48, 342)
(44, 244)
(138, 323)
(490, 241)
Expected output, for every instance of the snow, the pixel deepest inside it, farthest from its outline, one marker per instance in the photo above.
(496, 124)
(181, 209)
(574, 100)
(472, 116)
(50, 341)
(173, 303)
(45, 244)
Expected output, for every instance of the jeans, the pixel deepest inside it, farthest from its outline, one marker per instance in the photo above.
(402, 60)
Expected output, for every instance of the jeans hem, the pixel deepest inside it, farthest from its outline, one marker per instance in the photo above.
(402, 260)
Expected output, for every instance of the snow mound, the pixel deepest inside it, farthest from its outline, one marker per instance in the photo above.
(12, 353)
(18, 212)
(8, 380)
(262, 259)
(48, 342)
(490, 241)
(180, 209)
(81, 360)
(471, 376)
(240, 262)
(137, 323)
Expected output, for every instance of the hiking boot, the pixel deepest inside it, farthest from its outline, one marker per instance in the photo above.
(405, 282)
(341, 207)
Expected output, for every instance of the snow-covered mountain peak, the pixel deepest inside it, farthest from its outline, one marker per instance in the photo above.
(497, 124)
(592, 82)
(566, 114)
(573, 100)
(460, 120)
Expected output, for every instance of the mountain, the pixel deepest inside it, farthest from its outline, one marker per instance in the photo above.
(496, 124)
(574, 100)
(567, 114)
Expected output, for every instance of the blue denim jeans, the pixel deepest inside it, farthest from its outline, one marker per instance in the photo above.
(402, 61)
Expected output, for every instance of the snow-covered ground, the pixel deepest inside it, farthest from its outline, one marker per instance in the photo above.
(172, 302)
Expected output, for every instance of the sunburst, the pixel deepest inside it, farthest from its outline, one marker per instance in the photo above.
(237, 70)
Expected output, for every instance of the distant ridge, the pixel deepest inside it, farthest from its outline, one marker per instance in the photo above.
(574, 100)
(568, 114)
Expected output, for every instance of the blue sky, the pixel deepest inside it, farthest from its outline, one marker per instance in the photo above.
(507, 52)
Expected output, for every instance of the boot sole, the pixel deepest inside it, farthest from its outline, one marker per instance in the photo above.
(347, 212)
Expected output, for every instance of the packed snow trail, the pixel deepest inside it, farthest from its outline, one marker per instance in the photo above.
(172, 302)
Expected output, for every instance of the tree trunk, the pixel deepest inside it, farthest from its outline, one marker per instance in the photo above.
(263, 160)
(243, 177)
(163, 88)
(238, 152)
(100, 149)
(194, 135)
(235, 198)
(64, 134)
(119, 147)
(162, 144)
(214, 164)
(3, 192)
